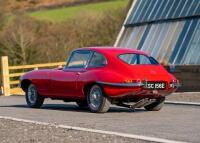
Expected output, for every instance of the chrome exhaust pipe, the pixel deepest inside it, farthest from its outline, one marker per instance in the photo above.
(149, 102)
(140, 103)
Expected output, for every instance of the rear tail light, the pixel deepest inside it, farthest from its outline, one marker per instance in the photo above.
(174, 84)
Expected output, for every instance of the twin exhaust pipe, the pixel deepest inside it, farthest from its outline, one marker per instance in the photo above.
(139, 104)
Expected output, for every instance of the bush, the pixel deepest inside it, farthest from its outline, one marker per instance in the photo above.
(27, 41)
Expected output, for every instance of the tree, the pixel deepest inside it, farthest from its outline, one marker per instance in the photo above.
(17, 40)
(2, 13)
(27, 41)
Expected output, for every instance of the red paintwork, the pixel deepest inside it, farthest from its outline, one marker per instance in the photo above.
(69, 84)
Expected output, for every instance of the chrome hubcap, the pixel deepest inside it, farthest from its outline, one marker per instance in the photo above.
(95, 97)
(32, 94)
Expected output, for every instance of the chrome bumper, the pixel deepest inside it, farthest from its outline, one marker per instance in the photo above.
(136, 84)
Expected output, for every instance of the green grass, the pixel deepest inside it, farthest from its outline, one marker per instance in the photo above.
(62, 14)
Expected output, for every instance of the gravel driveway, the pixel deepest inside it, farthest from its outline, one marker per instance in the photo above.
(20, 132)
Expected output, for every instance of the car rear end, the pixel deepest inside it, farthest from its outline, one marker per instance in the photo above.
(143, 77)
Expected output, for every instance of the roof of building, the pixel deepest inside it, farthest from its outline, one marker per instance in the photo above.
(168, 30)
(146, 11)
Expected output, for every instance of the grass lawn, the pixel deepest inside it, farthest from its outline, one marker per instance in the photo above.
(62, 14)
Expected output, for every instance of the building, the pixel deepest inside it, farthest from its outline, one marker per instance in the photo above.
(169, 30)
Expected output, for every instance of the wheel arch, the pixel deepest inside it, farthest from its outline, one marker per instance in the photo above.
(25, 83)
(87, 87)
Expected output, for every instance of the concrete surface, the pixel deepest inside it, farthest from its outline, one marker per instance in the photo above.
(175, 122)
(184, 97)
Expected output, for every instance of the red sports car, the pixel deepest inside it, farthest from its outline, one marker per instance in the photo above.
(99, 76)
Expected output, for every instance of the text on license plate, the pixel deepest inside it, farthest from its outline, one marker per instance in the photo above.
(155, 85)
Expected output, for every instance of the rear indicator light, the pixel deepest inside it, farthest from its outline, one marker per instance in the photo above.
(132, 81)
(128, 81)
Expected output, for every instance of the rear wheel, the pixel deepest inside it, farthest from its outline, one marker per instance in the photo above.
(33, 99)
(97, 101)
(156, 106)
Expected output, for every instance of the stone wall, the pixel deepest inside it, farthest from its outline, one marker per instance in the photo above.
(189, 77)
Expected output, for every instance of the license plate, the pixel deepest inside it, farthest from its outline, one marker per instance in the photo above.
(155, 85)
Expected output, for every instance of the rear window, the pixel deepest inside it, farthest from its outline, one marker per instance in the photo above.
(138, 59)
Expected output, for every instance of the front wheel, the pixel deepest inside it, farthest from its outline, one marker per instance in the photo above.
(33, 99)
(97, 101)
(156, 106)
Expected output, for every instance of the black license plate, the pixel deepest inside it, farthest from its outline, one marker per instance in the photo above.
(155, 85)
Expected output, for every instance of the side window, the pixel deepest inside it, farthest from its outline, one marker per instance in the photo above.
(97, 60)
(78, 59)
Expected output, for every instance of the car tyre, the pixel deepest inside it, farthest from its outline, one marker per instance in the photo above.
(97, 100)
(33, 99)
(82, 104)
(156, 106)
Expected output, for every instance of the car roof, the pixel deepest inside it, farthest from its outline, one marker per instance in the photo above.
(113, 50)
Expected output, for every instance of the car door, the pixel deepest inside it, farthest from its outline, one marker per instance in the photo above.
(96, 62)
(64, 81)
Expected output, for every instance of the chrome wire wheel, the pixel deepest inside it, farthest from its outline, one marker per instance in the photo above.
(32, 94)
(97, 101)
(95, 97)
(33, 99)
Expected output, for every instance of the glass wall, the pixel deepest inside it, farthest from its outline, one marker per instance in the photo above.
(169, 42)
(192, 54)
(168, 30)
